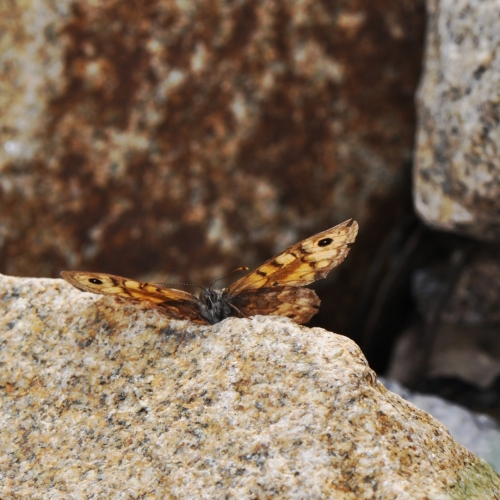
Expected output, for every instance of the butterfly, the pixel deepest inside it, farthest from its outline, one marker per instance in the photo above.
(274, 288)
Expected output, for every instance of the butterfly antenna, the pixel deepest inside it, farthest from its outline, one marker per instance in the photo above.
(178, 284)
(243, 268)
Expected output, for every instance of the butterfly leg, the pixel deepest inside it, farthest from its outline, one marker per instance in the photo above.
(237, 310)
(182, 336)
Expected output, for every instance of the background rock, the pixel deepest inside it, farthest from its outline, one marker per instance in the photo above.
(457, 160)
(466, 341)
(94, 401)
(176, 142)
(475, 298)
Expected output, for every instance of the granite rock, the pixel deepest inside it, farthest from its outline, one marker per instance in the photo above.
(466, 343)
(478, 432)
(475, 298)
(96, 403)
(457, 158)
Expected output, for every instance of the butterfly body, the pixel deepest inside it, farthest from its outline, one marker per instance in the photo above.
(275, 288)
(215, 305)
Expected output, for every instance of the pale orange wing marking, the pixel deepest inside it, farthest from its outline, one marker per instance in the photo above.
(176, 303)
(304, 262)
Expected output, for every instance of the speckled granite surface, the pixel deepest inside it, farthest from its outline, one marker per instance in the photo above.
(96, 405)
(457, 159)
(478, 432)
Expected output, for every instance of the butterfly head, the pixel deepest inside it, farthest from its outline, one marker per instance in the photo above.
(215, 305)
(211, 297)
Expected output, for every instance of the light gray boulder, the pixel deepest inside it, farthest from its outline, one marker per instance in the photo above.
(457, 158)
(96, 403)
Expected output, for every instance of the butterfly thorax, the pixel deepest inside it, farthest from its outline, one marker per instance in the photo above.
(215, 305)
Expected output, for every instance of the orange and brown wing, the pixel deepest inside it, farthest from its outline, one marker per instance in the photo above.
(299, 304)
(177, 304)
(302, 263)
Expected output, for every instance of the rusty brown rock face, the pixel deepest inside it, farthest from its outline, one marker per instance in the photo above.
(174, 141)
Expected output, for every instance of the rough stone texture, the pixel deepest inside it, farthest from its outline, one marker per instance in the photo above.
(477, 432)
(94, 402)
(457, 159)
(475, 299)
(470, 353)
(467, 341)
(180, 140)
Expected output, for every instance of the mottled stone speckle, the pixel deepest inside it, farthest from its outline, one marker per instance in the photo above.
(96, 403)
(457, 159)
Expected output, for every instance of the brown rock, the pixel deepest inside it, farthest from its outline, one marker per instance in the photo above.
(95, 403)
(457, 160)
(178, 142)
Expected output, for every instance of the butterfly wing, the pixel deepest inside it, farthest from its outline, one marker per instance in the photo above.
(299, 304)
(270, 289)
(176, 303)
(302, 263)
(274, 288)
